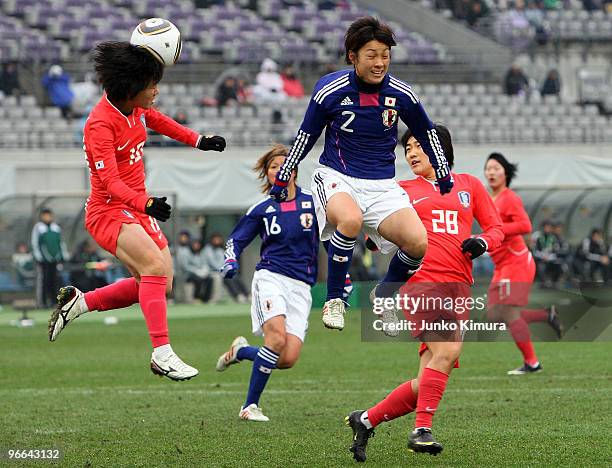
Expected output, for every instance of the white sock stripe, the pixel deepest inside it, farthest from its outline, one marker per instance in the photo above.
(329, 85)
(412, 262)
(271, 354)
(342, 244)
(406, 87)
(342, 239)
(267, 356)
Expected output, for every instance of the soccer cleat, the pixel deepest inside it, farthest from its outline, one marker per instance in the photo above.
(361, 434)
(526, 369)
(554, 321)
(421, 440)
(172, 367)
(333, 314)
(388, 317)
(252, 413)
(70, 305)
(231, 357)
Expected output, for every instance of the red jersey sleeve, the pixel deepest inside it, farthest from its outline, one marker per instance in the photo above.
(519, 220)
(487, 216)
(102, 149)
(163, 124)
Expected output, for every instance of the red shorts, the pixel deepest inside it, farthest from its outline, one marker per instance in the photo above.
(104, 225)
(424, 348)
(512, 281)
(426, 303)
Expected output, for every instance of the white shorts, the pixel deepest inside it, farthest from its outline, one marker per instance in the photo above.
(275, 294)
(377, 199)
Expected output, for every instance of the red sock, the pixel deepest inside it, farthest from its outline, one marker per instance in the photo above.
(399, 402)
(118, 295)
(431, 389)
(152, 298)
(520, 332)
(534, 315)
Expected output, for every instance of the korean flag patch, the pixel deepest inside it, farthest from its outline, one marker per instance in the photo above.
(464, 199)
(99, 164)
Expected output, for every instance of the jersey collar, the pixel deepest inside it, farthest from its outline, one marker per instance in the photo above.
(364, 87)
(126, 117)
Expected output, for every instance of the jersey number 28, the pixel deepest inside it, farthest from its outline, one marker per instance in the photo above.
(444, 221)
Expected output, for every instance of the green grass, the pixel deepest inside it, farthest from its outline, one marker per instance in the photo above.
(91, 395)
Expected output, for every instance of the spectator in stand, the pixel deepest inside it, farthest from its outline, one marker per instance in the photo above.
(214, 253)
(88, 267)
(594, 252)
(86, 94)
(50, 253)
(192, 268)
(552, 4)
(227, 93)
(545, 250)
(592, 5)
(23, 262)
(268, 89)
(515, 82)
(57, 84)
(563, 249)
(477, 10)
(292, 86)
(552, 84)
(9, 80)
(181, 117)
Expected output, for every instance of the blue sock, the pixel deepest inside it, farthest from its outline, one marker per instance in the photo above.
(264, 363)
(401, 268)
(339, 255)
(248, 352)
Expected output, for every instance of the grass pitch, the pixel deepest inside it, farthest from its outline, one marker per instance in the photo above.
(92, 395)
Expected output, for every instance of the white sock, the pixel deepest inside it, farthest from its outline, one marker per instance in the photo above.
(364, 420)
(163, 351)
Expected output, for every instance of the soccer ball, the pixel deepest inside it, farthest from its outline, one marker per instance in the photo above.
(160, 37)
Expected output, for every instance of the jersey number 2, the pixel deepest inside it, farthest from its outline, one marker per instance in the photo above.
(272, 227)
(444, 221)
(348, 121)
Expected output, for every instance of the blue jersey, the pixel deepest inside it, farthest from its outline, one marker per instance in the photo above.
(289, 235)
(361, 127)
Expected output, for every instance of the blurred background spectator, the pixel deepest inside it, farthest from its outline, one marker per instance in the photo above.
(516, 82)
(292, 86)
(23, 262)
(214, 254)
(9, 79)
(57, 84)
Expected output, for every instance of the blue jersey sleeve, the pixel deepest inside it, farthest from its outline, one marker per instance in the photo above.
(313, 124)
(242, 235)
(415, 117)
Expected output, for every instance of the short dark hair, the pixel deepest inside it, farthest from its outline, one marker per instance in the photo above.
(445, 140)
(364, 30)
(124, 70)
(509, 168)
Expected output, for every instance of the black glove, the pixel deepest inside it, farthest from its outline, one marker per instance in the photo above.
(158, 208)
(213, 143)
(475, 246)
(371, 245)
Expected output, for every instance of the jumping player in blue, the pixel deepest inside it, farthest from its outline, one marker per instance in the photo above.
(355, 187)
(282, 280)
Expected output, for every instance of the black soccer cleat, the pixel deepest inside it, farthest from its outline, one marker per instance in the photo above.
(361, 434)
(526, 369)
(421, 440)
(554, 321)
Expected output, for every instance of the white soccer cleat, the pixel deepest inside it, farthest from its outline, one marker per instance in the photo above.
(253, 413)
(388, 316)
(230, 357)
(70, 305)
(172, 367)
(333, 314)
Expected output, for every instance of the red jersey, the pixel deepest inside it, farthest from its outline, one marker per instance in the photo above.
(113, 144)
(516, 223)
(448, 220)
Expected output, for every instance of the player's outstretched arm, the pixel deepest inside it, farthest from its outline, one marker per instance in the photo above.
(488, 218)
(242, 235)
(307, 136)
(165, 125)
(415, 117)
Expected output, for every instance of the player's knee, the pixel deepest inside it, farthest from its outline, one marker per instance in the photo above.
(153, 265)
(351, 225)
(287, 362)
(276, 341)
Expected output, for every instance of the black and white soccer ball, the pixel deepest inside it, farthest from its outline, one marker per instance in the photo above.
(160, 38)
